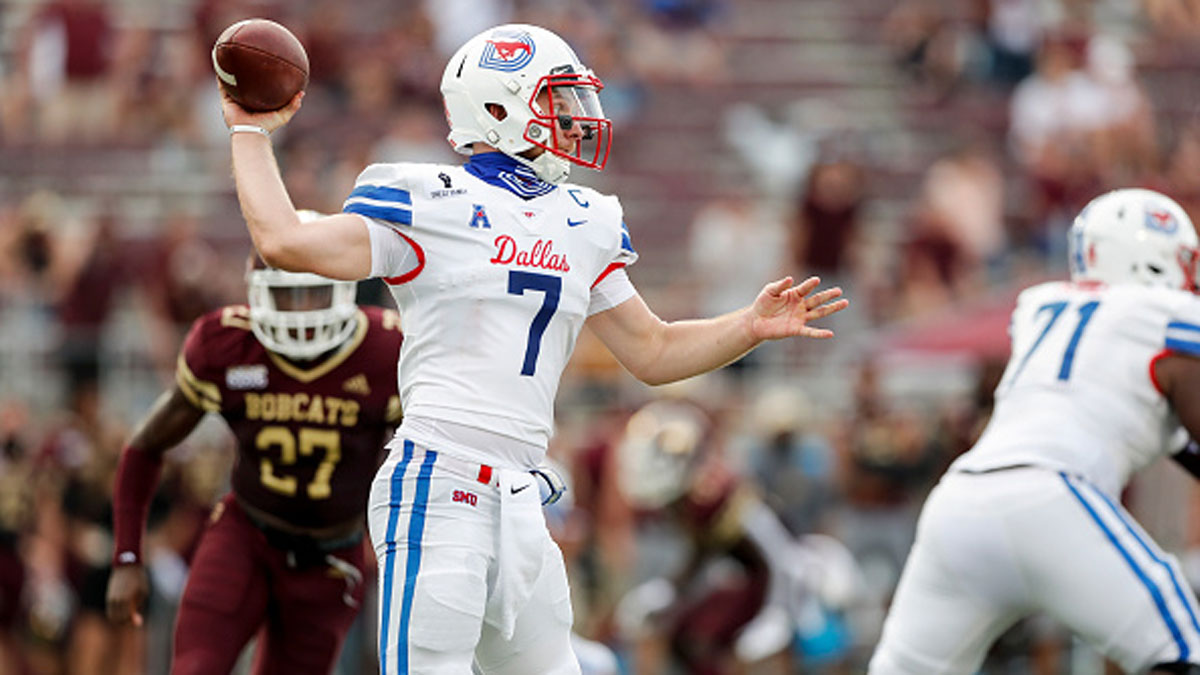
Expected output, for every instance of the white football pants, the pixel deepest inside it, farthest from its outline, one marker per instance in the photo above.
(468, 573)
(995, 547)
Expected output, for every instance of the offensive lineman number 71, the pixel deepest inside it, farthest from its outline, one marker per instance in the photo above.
(1055, 310)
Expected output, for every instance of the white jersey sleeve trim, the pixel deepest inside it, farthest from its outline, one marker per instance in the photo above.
(611, 291)
(392, 254)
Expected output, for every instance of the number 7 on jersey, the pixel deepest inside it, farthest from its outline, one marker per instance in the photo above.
(518, 283)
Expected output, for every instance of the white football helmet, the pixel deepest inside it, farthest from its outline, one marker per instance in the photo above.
(663, 443)
(1134, 236)
(510, 66)
(298, 314)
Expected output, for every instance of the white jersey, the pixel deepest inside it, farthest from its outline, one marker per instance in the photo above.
(492, 289)
(1078, 394)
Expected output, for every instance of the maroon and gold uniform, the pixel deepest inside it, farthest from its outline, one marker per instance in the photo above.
(310, 437)
(704, 626)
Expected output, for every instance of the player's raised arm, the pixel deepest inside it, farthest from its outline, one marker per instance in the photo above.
(335, 246)
(262, 70)
(658, 352)
(169, 422)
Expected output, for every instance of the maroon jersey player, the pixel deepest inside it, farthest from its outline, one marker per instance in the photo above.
(305, 380)
(777, 603)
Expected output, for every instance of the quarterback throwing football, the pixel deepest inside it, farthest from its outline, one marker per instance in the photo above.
(495, 265)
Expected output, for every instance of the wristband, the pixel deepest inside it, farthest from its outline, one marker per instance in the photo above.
(248, 128)
(134, 487)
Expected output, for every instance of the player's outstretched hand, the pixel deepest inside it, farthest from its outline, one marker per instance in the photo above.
(783, 310)
(270, 120)
(128, 587)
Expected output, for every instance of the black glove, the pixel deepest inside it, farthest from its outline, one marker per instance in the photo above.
(1189, 458)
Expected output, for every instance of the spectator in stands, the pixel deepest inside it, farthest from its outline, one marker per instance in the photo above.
(625, 95)
(76, 465)
(1125, 135)
(1014, 30)
(824, 228)
(1050, 106)
(88, 299)
(939, 49)
(1182, 173)
(29, 253)
(1051, 124)
(456, 21)
(183, 278)
(1178, 19)
(671, 41)
(961, 207)
(721, 227)
(887, 459)
(724, 225)
(67, 49)
(412, 56)
(955, 232)
(16, 517)
(791, 460)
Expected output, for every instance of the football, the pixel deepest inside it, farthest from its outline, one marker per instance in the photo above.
(260, 64)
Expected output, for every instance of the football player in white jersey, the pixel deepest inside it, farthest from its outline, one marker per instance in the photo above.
(1104, 378)
(495, 265)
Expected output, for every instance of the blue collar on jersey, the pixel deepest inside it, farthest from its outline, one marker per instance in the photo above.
(503, 171)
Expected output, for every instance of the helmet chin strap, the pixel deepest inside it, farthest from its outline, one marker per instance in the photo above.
(549, 167)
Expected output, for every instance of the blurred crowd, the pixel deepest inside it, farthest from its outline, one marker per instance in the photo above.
(931, 206)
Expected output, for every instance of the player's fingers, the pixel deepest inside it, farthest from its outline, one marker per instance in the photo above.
(118, 610)
(805, 287)
(294, 104)
(826, 310)
(777, 288)
(819, 333)
(226, 99)
(821, 298)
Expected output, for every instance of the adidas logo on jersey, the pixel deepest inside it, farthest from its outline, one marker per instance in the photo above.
(241, 378)
(357, 385)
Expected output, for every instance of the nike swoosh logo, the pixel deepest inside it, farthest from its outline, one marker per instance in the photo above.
(515, 490)
(575, 223)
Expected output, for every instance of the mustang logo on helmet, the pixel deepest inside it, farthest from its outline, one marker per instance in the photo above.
(507, 54)
(1161, 221)
(1108, 241)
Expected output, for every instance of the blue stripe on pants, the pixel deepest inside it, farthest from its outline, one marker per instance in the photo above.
(1159, 602)
(416, 529)
(1184, 598)
(389, 562)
